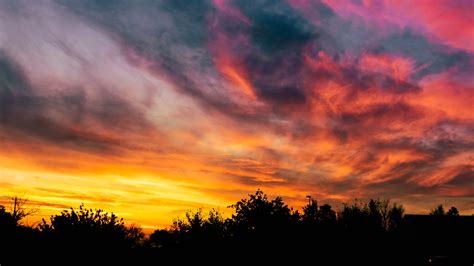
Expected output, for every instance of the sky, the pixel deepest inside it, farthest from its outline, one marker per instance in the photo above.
(152, 108)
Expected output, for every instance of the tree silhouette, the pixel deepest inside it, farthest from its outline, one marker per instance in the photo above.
(326, 214)
(6, 219)
(310, 212)
(438, 211)
(261, 230)
(91, 231)
(395, 217)
(19, 210)
(164, 239)
(15, 237)
(356, 217)
(259, 215)
(318, 217)
(196, 232)
(453, 211)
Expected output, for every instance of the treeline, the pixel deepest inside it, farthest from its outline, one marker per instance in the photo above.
(260, 230)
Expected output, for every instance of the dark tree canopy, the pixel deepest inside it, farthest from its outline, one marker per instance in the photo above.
(88, 230)
(259, 214)
(453, 211)
(262, 229)
(439, 211)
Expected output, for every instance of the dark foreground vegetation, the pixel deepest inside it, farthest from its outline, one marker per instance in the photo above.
(261, 230)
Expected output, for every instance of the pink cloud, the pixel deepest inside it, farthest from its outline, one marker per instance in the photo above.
(450, 22)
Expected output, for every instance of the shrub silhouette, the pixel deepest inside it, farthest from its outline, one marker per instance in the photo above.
(198, 229)
(261, 230)
(91, 231)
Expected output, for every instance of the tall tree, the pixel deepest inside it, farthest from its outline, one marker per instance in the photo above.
(438, 211)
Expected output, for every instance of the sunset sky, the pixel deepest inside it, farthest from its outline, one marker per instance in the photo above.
(151, 108)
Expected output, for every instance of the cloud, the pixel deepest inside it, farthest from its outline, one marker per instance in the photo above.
(423, 16)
